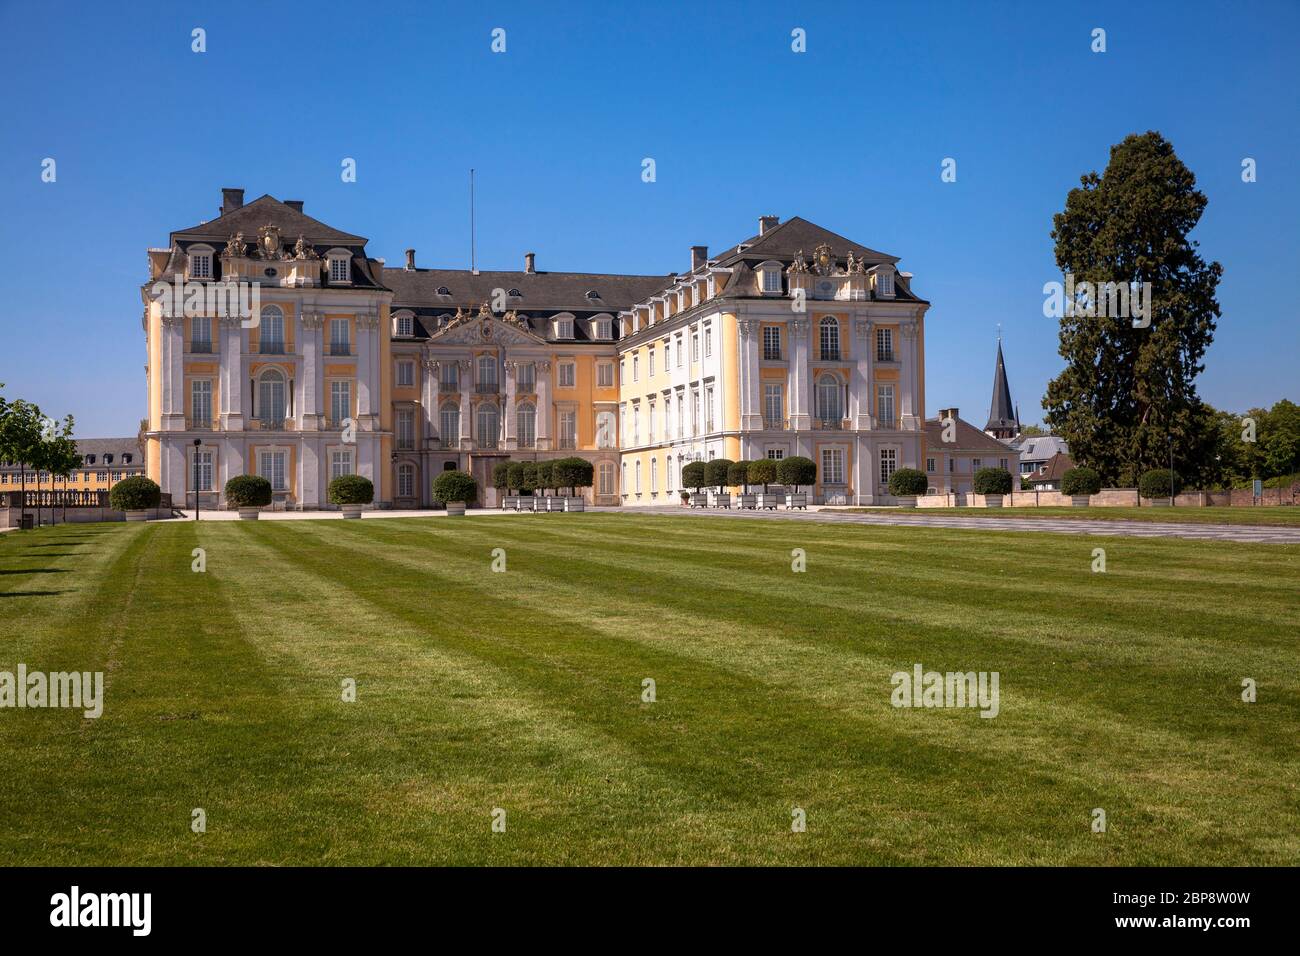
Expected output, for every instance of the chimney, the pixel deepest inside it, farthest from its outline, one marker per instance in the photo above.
(294, 204)
(767, 222)
(530, 262)
(410, 260)
(699, 256)
(231, 199)
(948, 413)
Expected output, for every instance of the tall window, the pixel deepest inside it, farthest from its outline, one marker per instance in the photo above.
(708, 340)
(888, 464)
(568, 429)
(340, 462)
(340, 337)
(885, 405)
(487, 373)
(636, 366)
(449, 376)
(202, 475)
(449, 424)
(830, 339)
(638, 477)
(771, 280)
(830, 406)
(340, 269)
(406, 481)
(680, 352)
(489, 425)
(884, 345)
(405, 374)
(605, 430)
(651, 352)
(405, 326)
(708, 408)
(605, 478)
(624, 484)
(695, 411)
(668, 354)
(271, 331)
(405, 428)
(832, 466)
(201, 334)
(652, 430)
(340, 402)
(604, 329)
(885, 282)
(681, 414)
(201, 265)
(272, 469)
(201, 403)
(695, 346)
(668, 417)
(271, 404)
(526, 377)
(654, 476)
(773, 406)
(605, 375)
(568, 374)
(772, 343)
(526, 424)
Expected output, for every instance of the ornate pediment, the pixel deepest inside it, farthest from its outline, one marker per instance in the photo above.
(485, 329)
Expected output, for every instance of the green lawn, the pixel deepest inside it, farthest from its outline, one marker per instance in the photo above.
(1284, 516)
(522, 690)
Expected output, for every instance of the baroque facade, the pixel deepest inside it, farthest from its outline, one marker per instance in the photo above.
(795, 341)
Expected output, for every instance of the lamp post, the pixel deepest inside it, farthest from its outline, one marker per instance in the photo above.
(197, 443)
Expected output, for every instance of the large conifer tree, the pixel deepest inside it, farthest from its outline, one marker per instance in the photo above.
(1124, 390)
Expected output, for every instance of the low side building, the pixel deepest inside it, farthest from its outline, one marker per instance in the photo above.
(955, 449)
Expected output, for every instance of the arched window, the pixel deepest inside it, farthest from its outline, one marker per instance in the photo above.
(638, 477)
(830, 407)
(526, 424)
(449, 424)
(624, 477)
(406, 481)
(271, 398)
(654, 476)
(271, 331)
(606, 430)
(830, 338)
(489, 426)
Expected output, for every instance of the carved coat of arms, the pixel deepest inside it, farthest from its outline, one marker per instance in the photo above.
(268, 242)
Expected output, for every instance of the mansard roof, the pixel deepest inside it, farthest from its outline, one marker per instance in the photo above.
(795, 235)
(264, 211)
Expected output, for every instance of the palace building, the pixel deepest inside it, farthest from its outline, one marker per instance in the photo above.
(796, 341)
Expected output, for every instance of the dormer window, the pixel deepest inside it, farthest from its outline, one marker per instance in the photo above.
(515, 294)
(200, 262)
(885, 283)
(443, 290)
(126, 459)
(108, 459)
(593, 294)
(604, 329)
(340, 265)
(564, 328)
(769, 277)
(90, 459)
(405, 326)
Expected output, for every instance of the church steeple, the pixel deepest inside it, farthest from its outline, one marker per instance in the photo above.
(1004, 422)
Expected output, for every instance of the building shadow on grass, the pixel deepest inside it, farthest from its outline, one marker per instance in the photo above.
(34, 570)
(14, 594)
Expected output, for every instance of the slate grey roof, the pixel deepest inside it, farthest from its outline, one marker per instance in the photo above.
(1053, 469)
(267, 210)
(1041, 447)
(1002, 414)
(112, 446)
(796, 234)
(969, 438)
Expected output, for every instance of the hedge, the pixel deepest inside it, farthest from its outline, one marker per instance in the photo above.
(715, 472)
(1155, 483)
(907, 482)
(454, 486)
(796, 470)
(501, 476)
(350, 490)
(136, 493)
(248, 491)
(545, 477)
(693, 475)
(572, 473)
(738, 475)
(1080, 481)
(991, 481)
(762, 471)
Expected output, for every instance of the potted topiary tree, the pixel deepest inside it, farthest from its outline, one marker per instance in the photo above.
(693, 476)
(793, 472)
(455, 489)
(1159, 486)
(715, 475)
(136, 496)
(738, 477)
(762, 471)
(993, 484)
(515, 477)
(528, 486)
(501, 482)
(906, 483)
(577, 473)
(1080, 484)
(248, 493)
(351, 493)
(544, 477)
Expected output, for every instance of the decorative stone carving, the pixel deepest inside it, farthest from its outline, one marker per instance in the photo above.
(824, 261)
(432, 365)
(302, 249)
(800, 326)
(268, 242)
(484, 312)
(747, 327)
(367, 320)
(312, 320)
(863, 327)
(236, 247)
(798, 266)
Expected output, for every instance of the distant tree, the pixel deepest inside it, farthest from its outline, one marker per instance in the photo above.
(1033, 431)
(1280, 441)
(501, 476)
(1125, 390)
(21, 437)
(60, 455)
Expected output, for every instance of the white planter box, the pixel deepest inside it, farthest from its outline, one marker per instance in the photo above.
(719, 501)
(455, 507)
(352, 511)
(508, 502)
(699, 500)
(905, 501)
(768, 500)
(137, 515)
(249, 514)
(797, 501)
(747, 501)
(1158, 502)
(993, 501)
(526, 503)
(556, 504)
(575, 504)
(1079, 501)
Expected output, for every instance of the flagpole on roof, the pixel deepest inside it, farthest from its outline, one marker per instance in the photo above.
(473, 263)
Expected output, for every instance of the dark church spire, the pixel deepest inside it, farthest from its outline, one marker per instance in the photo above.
(1003, 420)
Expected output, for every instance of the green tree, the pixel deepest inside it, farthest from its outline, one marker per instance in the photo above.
(1279, 440)
(1033, 431)
(59, 454)
(1125, 391)
(693, 475)
(21, 437)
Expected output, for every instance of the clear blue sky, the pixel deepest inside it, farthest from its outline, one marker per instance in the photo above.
(850, 134)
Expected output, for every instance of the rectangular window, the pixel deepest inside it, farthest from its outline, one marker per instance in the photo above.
(832, 466)
(272, 469)
(449, 377)
(202, 479)
(695, 346)
(340, 337)
(651, 372)
(929, 465)
(650, 423)
(340, 463)
(771, 280)
(772, 343)
(405, 374)
(564, 329)
(568, 374)
(201, 334)
(773, 406)
(695, 411)
(708, 408)
(340, 402)
(976, 463)
(886, 282)
(406, 428)
(340, 269)
(568, 429)
(885, 405)
(526, 377)
(681, 414)
(1002, 463)
(888, 464)
(668, 354)
(884, 345)
(680, 352)
(605, 375)
(775, 454)
(708, 341)
(952, 465)
(201, 265)
(201, 403)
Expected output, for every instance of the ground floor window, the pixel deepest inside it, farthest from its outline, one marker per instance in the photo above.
(776, 454)
(202, 471)
(832, 466)
(406, 481)
(340, 463)
(272, 469)
(605, 485)
(888, 465)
